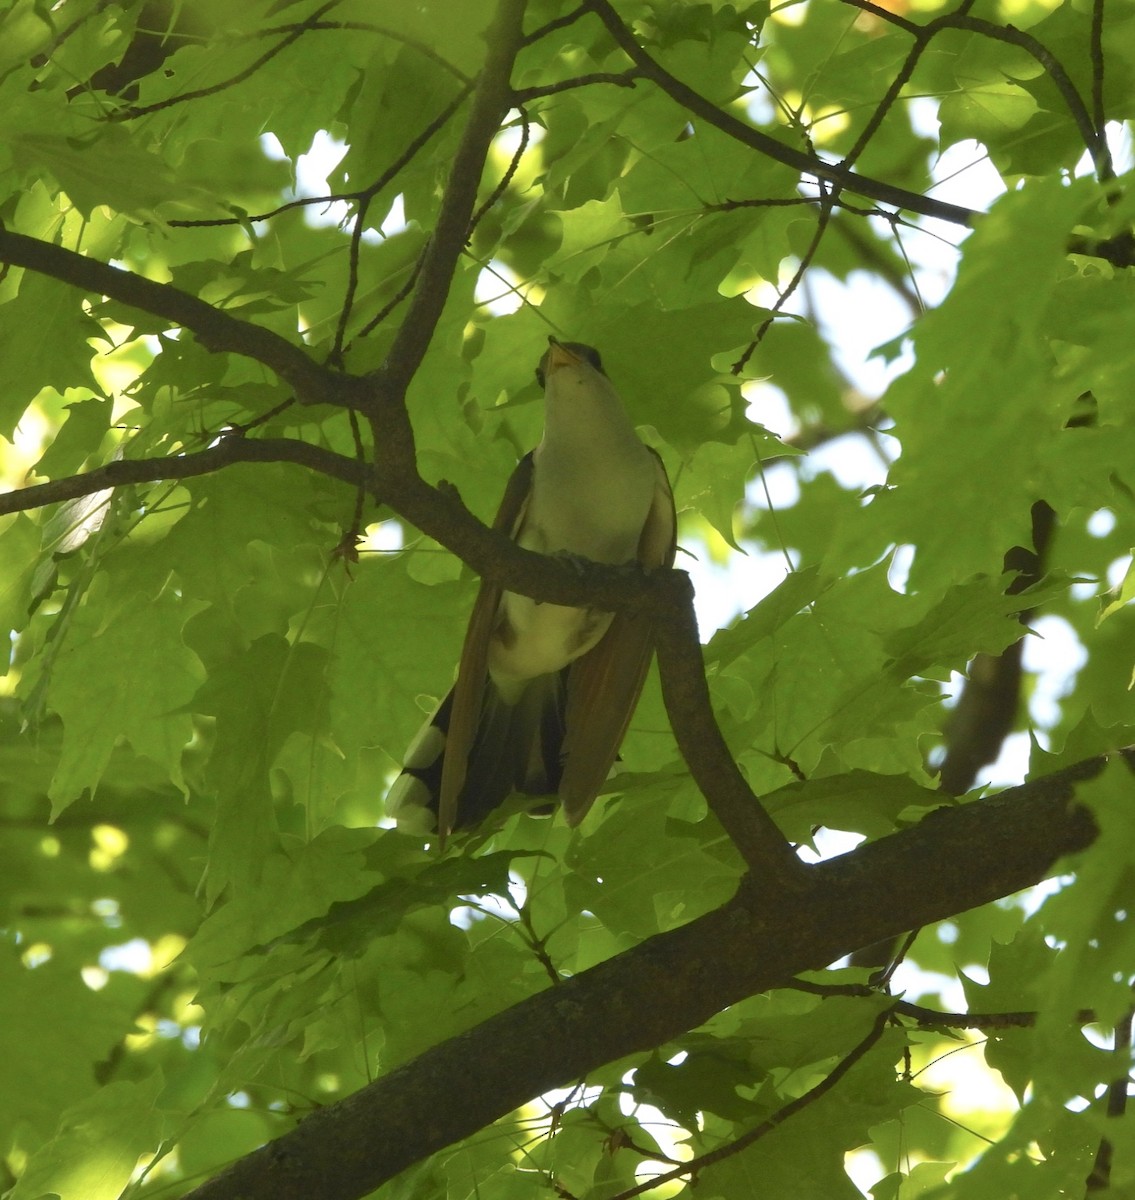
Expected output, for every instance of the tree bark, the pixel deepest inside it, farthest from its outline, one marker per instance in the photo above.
(955, 859)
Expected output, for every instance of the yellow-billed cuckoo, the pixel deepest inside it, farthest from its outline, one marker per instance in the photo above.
(544, 693)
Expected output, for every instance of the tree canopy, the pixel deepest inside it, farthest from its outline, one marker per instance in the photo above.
(254, 430)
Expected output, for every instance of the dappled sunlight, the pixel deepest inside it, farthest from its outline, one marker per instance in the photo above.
(832, 310)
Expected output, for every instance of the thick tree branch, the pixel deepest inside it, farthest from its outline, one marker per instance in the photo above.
(987, 707)
(214, 329)
(955, 859)
(436, 511)
(774, 866)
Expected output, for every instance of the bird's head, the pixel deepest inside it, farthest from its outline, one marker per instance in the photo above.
(566, 354)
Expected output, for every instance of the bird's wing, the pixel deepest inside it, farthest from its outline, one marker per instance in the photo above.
(605, 683)
(472, 670)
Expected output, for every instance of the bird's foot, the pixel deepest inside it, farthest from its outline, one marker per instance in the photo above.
(577, 562)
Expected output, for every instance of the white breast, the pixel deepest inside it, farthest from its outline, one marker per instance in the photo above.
(592, 486)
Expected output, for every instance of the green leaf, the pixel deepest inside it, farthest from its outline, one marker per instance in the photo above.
(108, 168)
(257, 700)
(60, 1056)
(996, 405)
(98, 1144)
(20, 547)
(1124, 594)
(1090, 917)
(222, 940)
(44, 342)
(714, 481)
(859, 802)
(397, 643)
(105, 687)
(82, 433)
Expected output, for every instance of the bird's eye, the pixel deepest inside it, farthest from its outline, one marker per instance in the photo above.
(590, 355)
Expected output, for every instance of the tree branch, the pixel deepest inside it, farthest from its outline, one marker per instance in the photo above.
(624, 79)
(563, 22)
(789, 1110)
(809, 164)
(955, 859)
(228, 450)
(1092, 134)
(367, 194)
(214, 329)
(765, 849)
(932, 1017)
(133, 111)
(491, 100)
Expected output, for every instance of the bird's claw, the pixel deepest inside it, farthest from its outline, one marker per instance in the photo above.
(577, 562)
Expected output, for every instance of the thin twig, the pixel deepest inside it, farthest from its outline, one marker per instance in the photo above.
(356, 530)
(702, 1161)
(1021, 1019)
(1090, 131)
(362, 195)
(229, 450)
(243, 427)
(133, 112)
(871, 252)
(616, 79)
(1099, 116)
(395, 35)
(551, 26)
(802, 268)
(507, 177)
(1099, 1179)
(335, 357)
(694, 102)
(890, 97)
(393, 302)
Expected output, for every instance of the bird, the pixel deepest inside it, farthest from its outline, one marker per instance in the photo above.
(544, 692)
